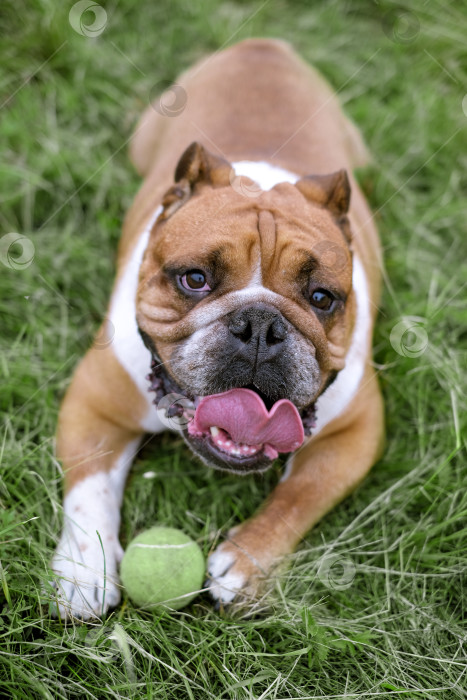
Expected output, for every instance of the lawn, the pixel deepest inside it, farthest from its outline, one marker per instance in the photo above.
(384, 617)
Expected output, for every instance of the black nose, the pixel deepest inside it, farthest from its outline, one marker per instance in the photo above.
(259, 331)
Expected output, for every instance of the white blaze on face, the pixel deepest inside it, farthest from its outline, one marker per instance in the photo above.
(231, 302)
(266, 176)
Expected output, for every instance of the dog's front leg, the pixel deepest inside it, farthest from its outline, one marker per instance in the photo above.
(321, 475)
(97, 439)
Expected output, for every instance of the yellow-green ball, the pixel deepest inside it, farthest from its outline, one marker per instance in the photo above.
(162, 566)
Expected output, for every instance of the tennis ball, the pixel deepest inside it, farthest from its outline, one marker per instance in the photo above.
(161, 565)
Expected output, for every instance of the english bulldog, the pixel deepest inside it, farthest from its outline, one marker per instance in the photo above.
(241, 316)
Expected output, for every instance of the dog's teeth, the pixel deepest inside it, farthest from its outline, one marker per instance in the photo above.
(214, 430)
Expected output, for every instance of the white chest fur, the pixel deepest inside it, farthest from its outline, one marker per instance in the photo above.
(333, 402)
(130, 350)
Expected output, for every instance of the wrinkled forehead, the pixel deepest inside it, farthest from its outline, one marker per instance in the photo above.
(270, 221)
(286, 218)
(215, 217)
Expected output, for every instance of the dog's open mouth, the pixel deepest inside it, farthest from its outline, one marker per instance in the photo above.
(237, 430)
(237, 423)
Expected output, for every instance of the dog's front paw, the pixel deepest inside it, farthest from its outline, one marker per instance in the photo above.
(86, 585)
(240, 569)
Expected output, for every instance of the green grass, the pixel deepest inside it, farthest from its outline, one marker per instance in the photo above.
(397, 630)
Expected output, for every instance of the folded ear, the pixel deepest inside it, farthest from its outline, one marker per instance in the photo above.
(197, 164)
(196, 167)
(330, 191)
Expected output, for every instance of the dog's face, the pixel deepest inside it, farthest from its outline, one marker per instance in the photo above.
(247, 292)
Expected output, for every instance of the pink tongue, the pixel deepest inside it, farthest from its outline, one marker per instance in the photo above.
(242, 414)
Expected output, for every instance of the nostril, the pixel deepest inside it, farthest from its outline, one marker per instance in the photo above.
(241, 328)
(277, 332)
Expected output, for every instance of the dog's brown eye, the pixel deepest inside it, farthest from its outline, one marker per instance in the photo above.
(322, 299)
(195, 281)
